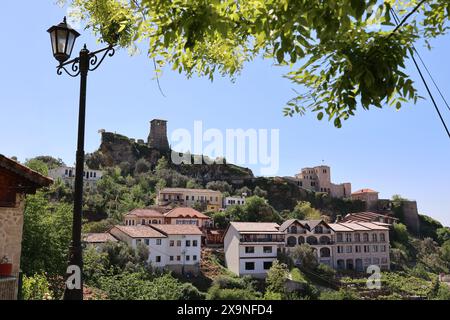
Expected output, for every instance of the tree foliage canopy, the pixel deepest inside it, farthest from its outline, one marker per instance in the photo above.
(343, 53)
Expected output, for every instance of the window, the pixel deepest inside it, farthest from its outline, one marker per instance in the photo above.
(376, 260)
(194, 257)
(95, 174)
(194, 243)
(192, 198)
(340, 249)
(143, 222)
(375, 248)
(348, 249)
(339, 237)
(367, 261)
(171, 258)
(138, 241)
(249, 249)
(178, 243)
(374, 237)
(158, 258)
(188, 243)
(267, 265)
(187, 197)
(366, 249)
(383, 248)
(267, 249)
(171, 243)
(147, 241)
(249, 266)
(357, 248)
(357, 237)
(178, 258)
(158, 242)
(348, 237)
(365, 237)
(188, 258)
(382, 237)
(383, 260)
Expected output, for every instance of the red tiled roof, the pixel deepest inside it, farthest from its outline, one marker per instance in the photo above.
(145, 213)
(35, 178)
(365, 217)
(365, 191)
(177, 229)
(98, 237)
(185, 212)
(140, 231)
(256, 227)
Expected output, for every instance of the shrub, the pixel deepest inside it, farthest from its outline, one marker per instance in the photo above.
(36, 287)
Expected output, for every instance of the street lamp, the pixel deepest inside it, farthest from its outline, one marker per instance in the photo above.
(63, 40)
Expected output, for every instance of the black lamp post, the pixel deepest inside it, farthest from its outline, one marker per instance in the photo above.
(63, 39)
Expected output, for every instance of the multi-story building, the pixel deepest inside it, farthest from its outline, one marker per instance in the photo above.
(173, 247)
(233, 201)
(343, 246)
(318, 179)
(178, 215)
(187, 216)
(359, 245)
(316, 233)
(211, 200)
(67, 174)
(368, 196)
(251, 247)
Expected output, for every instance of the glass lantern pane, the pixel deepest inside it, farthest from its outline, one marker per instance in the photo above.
(61, 38)
(53, 39)
(70, 43)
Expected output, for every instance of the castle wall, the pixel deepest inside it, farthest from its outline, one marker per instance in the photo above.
(158, 135)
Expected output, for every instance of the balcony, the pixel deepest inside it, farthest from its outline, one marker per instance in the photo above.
(262, 238)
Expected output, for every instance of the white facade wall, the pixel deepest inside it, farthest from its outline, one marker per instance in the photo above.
(67, 174)
(233, 201)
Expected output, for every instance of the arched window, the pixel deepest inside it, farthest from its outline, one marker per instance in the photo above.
(301, 240)
(318, 229)
(324, 240)
(382, 237)
(293, 229)
(325, 252)
(311, 240)
(291, 241)
(374, 237)
(154, 221)
(365, 237)
(357, 237)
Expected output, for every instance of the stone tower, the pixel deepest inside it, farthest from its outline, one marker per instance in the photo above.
(158, 135)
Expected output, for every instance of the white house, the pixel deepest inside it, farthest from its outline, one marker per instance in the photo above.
(175, 247)
(233, 201)
(251, 247)
(67, 174)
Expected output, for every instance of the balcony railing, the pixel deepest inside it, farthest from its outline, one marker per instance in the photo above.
(247, 239)
(9, 287)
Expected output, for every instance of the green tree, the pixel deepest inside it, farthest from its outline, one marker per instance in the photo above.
(220, 220)
(304, 211)
(276, 277)
(304, 255)
(335, 49)
(36, 287)
(37, 165)
(256, 209)
(46, 235)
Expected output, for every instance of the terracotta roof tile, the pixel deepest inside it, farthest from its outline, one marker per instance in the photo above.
(140, 231)
(177, 229)
(145, 213)
(365, 191)
(25, 172)
(256, 226)
(187, 212)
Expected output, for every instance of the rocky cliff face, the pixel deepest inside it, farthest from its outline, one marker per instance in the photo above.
(119, 150)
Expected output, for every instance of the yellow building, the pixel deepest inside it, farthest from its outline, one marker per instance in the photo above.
(210, 200)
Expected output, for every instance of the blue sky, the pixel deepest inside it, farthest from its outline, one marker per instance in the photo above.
(394, 152)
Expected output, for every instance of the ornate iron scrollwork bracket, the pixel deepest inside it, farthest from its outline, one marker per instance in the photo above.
(94, 62)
